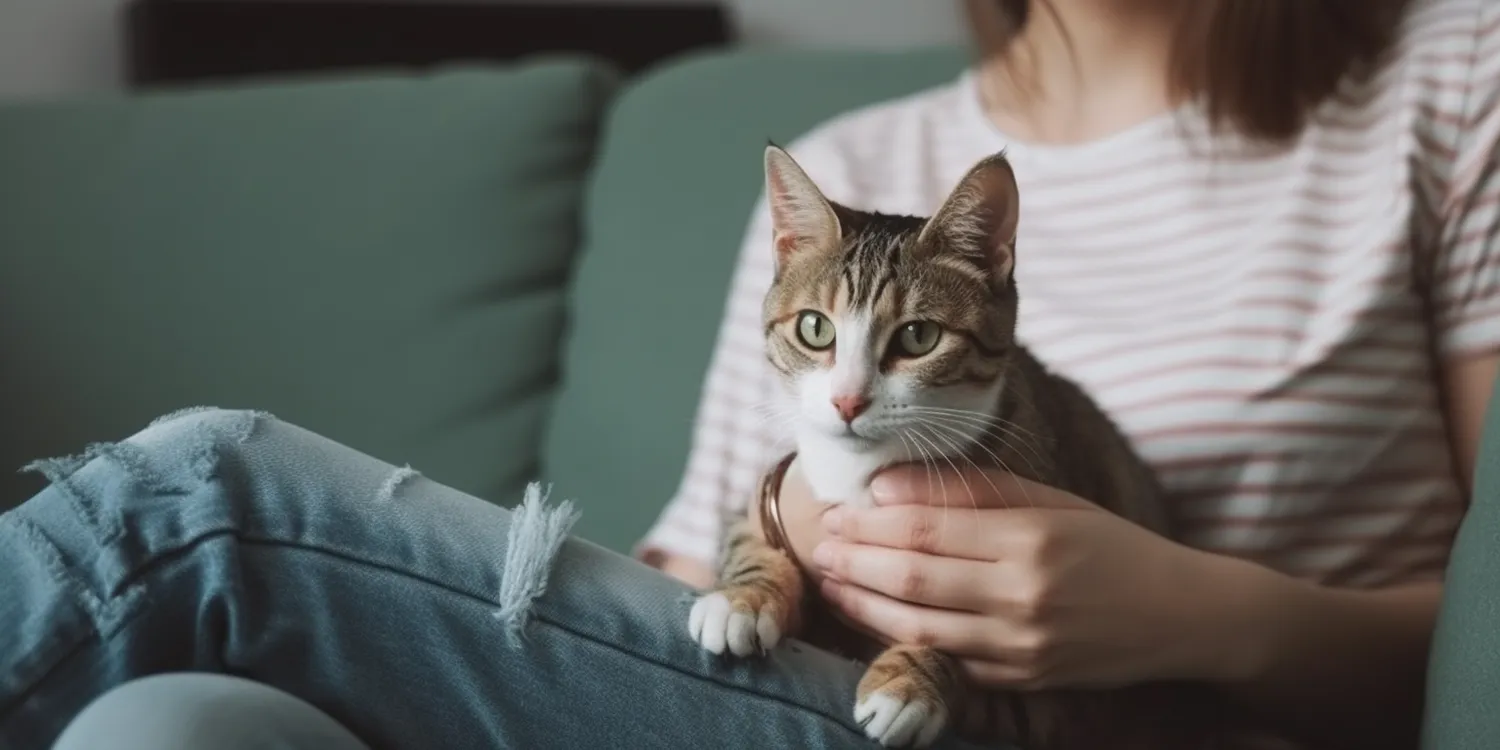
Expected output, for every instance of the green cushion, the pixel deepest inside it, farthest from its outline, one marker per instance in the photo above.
(382, 259)
(1463, 678)
(679, 172)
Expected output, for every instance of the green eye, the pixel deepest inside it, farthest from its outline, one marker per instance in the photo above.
(918, 338)
(815, 330)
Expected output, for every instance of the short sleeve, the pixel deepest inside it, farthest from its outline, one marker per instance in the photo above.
(734, 436)
(1466, 273)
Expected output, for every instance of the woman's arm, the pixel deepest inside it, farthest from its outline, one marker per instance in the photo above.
(1346, 668)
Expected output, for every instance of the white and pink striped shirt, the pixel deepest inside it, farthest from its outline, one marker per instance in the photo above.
(1252, 317)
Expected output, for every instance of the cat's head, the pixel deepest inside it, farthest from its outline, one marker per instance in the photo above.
(891, 333)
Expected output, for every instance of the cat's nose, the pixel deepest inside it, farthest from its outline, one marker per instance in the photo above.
(850, 407)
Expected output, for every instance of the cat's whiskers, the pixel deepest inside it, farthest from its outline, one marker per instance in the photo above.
(776, 418)
(1002, 429)
(943, 528)
(1011, 433)
(1026, 401)
(909, 443)
(998, 461)
(929, 466)
(958, 444)
(905, 444)
(774, 409)
(979, 419)
(999, 437)
(959, 449)
(971, 413)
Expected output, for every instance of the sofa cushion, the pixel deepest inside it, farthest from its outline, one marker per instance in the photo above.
(378, 258)
(679, 171)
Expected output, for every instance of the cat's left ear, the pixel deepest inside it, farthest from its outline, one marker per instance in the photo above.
(979, 218)
(801, 218)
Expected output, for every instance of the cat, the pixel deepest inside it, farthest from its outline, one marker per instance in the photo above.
(898, 332)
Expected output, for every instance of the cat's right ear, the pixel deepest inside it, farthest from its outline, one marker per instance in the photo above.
(979, 219)
(801, 218)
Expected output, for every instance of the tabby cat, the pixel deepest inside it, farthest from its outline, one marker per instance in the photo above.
(883, 328)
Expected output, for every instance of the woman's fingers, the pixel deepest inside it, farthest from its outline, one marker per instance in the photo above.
(945, 582)
(951, 532)
(968, 487)
(959, 633)
(995, 674)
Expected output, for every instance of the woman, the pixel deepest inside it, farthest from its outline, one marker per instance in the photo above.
(1260, 232)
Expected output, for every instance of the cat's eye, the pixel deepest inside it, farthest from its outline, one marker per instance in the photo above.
(918, 338)
(815, 330)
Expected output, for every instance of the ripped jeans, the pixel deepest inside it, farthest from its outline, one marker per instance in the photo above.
(233, 543)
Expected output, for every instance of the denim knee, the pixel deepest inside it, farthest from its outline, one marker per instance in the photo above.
(205, 430)
(198, 711)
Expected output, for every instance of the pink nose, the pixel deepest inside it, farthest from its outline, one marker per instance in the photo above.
(850, 406)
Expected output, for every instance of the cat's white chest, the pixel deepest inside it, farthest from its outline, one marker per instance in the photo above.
(838, 474)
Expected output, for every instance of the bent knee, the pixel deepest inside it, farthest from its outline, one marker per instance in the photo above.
(196, 421)
(194, 711)
(193, 440)
(175, 454)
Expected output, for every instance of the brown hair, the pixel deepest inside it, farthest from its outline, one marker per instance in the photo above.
(1259, 66)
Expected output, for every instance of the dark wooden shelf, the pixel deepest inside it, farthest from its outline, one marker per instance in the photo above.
(179, 41)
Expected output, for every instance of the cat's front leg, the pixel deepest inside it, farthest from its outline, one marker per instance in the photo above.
(756, 602)
(908, 695)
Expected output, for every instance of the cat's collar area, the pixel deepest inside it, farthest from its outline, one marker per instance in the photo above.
(768, 505)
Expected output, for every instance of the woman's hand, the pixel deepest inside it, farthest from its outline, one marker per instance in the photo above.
(1030, 586)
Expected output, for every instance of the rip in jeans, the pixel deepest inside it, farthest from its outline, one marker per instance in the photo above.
(536, 534)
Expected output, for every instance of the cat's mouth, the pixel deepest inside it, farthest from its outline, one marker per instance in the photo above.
(851, 439)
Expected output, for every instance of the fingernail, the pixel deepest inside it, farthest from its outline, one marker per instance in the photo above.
(823, 555)
(884, 489)
(833, 520)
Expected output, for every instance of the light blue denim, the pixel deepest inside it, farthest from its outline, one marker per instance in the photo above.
(201, 711)
(233, 543)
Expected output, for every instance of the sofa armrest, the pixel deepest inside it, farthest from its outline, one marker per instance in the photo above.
(1463, 681)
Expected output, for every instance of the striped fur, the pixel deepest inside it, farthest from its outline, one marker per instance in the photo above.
(880, 272)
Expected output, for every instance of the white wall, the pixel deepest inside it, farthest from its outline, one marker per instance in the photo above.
(50, 47)
(58, 46)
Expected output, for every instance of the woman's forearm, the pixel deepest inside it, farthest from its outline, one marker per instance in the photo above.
(1338, 668)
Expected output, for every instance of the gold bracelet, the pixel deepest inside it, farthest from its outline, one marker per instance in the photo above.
(768, 501)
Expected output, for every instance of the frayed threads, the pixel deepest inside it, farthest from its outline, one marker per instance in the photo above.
(59, 473)
(172, 416)
(239, 431)
(536, 534)
(393, 482)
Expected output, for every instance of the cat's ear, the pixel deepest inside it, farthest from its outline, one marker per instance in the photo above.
(979, 218)
(801, 218)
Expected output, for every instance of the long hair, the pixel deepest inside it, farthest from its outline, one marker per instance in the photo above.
(1260, 67)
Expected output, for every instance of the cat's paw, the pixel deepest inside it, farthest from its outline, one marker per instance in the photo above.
(744, 620)
(895, 721)
(900, 699)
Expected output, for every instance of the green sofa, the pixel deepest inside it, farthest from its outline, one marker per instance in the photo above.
(491, 274)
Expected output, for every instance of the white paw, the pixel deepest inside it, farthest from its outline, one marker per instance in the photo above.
(896, 723)
(714, 624)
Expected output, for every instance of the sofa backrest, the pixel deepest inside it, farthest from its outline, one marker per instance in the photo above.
(678, 174)
(381, 259)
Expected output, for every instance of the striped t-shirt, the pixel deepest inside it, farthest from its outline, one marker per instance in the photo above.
(1260, 321)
